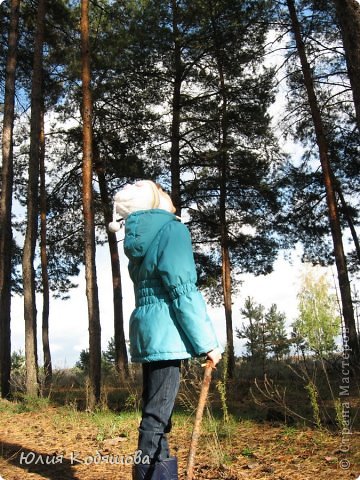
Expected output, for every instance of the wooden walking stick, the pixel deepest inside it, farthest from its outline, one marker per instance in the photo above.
(199, 413)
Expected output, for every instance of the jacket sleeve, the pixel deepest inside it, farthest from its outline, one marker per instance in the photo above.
(177, 270)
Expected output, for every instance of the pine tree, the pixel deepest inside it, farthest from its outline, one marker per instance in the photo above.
(279, 344)
(255, 331)
(305, 202)
(348, 14)
(229, 149)
(44, 258)
(6, 238)
(88, 208)
(265, 333)
(30, 312)
(328, 179)
(121, 358)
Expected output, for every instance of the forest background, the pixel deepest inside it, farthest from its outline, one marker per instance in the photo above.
(205, 97)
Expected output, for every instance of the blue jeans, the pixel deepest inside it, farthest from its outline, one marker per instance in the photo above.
(160, 386)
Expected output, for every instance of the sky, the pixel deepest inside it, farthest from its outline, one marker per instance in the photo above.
(69, 322)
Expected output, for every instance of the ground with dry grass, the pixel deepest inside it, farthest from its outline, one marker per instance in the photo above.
(41, 441)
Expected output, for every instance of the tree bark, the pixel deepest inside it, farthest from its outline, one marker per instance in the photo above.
(44, 261)
(88, 211)
(348, 14)
(226, 283)
(226, 266)
(224, 233)
(349, 219)
(30, 313)
(6, 203)
(176, 111)
(335, 227)
(121, 357)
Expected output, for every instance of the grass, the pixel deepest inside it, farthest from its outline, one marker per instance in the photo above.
(236, 440)
(226, 449)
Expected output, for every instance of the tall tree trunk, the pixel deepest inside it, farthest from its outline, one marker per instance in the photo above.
(30, 313)
(89, 223)
(6, 203)
(343, 277)
(176, 110)
(348, 14)
(349, 219)
(226, 264)
(44, 260)
(121, 357)
(226, 284)
(224, 232)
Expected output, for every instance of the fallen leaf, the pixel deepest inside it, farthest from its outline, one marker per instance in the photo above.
(114, 441)
(331, 459)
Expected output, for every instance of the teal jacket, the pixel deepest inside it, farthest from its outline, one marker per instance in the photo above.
(170, 319)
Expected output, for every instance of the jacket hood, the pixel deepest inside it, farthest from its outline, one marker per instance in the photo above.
(141, 228)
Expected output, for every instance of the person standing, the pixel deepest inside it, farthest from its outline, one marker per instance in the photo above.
(170, 321)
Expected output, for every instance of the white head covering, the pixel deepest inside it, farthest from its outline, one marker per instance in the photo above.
(142, 195)
(165, 203)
